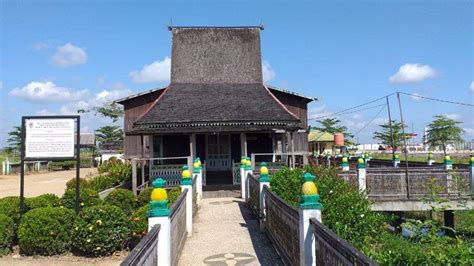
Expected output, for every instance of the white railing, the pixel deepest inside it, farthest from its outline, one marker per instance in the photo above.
(236, 173)
(290, 159)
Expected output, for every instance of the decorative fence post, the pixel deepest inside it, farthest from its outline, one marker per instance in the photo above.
(243, 184)
(4, 167)
(361, 174)
(248, 170)
(471, 173)
(264, 180)
(309, 208)
(396, 160)
(197, 170)
(430, 159)
(345, 164)
(187, 183)
(159, 214)
(448, 163)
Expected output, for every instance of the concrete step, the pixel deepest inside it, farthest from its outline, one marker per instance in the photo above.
(221, 191)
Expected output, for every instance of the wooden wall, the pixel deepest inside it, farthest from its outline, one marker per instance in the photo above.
(295, 104)
(134, 108)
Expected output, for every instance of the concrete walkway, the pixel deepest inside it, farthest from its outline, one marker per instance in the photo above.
(225, 232)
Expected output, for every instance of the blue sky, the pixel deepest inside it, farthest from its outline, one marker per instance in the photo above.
(58, 56)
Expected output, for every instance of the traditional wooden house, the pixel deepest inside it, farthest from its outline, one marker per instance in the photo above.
(216, 106)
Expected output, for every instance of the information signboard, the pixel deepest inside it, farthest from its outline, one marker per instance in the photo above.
(49, 138)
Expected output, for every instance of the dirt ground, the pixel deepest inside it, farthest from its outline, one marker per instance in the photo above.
(40, 183)
(69, 259)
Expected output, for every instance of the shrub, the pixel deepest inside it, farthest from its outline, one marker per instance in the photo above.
(173, 195)
(139, 224)
(45, 231)
(89, 198)
(42, 201)
(144, 197)
(118, 171)
(71, 183)
(100, 183)
(101, 230)
(7, 232)
(122, 198)
(10, 206)
(287, 183)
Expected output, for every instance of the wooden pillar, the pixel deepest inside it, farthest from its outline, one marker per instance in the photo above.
(243, 144)
(292, 150)
(134, 176)
(284, 150)
(192, 151)
(143, 162)
(274, 147)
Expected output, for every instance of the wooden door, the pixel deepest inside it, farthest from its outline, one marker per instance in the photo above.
(218, 152)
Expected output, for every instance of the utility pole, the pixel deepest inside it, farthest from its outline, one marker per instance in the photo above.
(391, 129)
(405, 144)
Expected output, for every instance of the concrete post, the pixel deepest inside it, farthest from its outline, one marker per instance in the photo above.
(345, 164)
(361, 174)
(430, 160)
(197, 171)
(309, 208)
(448, 163)
(243, 189)
(264, 180)
(396, 160)
(187, 183)
(4, 168)
(160, 214)
(248, 170)
(134, 177)
(471, 173)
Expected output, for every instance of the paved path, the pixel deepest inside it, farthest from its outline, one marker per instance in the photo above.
(40, 183)
(225, 232)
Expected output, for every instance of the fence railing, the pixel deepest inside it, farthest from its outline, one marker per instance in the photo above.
(194, 191)
(333, 250)
(291, 159)
(254, 194)
(146, 251)
(178, 227)
(282, 227)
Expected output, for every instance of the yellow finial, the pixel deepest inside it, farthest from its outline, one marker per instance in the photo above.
(309, 188)
(159, 194)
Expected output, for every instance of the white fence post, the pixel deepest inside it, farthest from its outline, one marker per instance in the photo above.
(396, 161)
(430, 159)
(197, 170)
(248, 170)
(187, 183)
(309, 208)
(448, 163)
(243, 189)
(264, 180)
(361, 174)
(4, 168)
(160, 214)
(345, 164)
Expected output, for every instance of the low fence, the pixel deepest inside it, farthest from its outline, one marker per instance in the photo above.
(146, 251)
(282, 227)
(178, 227)
(254, 191)
(194, 191)
(333, 250)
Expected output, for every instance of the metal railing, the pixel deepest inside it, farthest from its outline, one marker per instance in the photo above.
(333, 250)
(178, 226)
(146, 251)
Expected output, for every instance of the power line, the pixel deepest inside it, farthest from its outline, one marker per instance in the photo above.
(346, 113)
(434, 99)
(372, 120)
(352, 108)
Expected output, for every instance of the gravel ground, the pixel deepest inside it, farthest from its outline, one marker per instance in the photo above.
(40, 183)
(225, 232)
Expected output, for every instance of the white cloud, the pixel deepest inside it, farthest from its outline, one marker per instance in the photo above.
(267, 71)
(38, 91)
(472, 86)
(415, 97)
(158, 71)
(69, 55)
(320, 111)
(453, 116)
(40, 46)
(469, 131)
(410, 73)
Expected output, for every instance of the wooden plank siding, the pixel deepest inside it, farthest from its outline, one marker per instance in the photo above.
(134, 108)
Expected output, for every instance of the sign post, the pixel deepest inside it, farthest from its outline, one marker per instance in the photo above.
(49, 138)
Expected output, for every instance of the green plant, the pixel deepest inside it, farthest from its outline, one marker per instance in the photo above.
(122, 198)
(100, 183)
(10, 206)
(139, 224)
(144, 197)
(71, 183)
(45, 231)
(173, 195)
(287, 183)
(101, 230)
(42, 201)
(7, 233)
(88, 198)
(118, 171)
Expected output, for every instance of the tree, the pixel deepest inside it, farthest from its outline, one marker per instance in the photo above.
(109, 134)
(384, 136)
(14, 139)
(110, 110)
(443, 131)
(333, 125)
